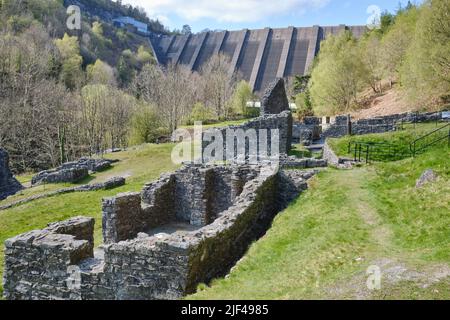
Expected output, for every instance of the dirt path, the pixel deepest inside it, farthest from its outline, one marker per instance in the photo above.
(396, 269)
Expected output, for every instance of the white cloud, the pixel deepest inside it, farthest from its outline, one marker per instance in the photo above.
(226, 10)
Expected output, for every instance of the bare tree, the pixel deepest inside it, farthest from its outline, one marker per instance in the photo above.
(218, 85)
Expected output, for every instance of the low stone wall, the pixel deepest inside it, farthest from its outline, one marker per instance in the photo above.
(389, 123)
(340, 128)
(308, 163)
(72, 172)
(153, 264)
(329, 155)
(282, 122)
(109, 184)
(344, 125)
(36, 263)
(8, 184)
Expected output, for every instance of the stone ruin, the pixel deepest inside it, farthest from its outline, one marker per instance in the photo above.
(275, 114)
(274, 100)
(188, 227)
(315, 128)
(72, 172)
(8, 184)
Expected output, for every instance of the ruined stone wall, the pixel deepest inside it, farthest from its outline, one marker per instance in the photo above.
(275, 115)
(8, 184)
(149, 266)
(282, 122)
(72, 172)
(389, 123)
(36, 263)
(340, 128)
(330, 155)
(307, 131)
(193, 195)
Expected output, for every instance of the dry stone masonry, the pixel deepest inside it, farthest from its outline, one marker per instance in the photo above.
(314, 128)
(189, 227)
(275, 114)
(72, 172)
(158, 244)
(8, 184)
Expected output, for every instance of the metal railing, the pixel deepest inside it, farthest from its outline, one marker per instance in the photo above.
(430, 139)
(400, 125)
(372, 151)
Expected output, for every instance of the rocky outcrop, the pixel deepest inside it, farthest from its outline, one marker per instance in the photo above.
(428, 176)
(8, 184)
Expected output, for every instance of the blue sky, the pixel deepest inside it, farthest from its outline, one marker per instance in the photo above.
(253, 14)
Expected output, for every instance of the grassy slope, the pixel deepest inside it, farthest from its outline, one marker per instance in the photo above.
(321, 246)
(399, 138)
(142, 164)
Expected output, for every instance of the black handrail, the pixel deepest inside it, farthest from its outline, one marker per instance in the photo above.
(413, 145)
(375, 150)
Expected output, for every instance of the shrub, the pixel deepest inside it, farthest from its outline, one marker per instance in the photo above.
(201, 113)
(145, 126)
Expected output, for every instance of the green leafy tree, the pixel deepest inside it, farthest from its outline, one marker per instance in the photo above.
(301, 83)
(337, 76)
(304, 105)
(71, 68)
(202, 113)
(425, 73)
(241, 96)
(97, 28)
(144, 56)
(101, 73)
(145, 126)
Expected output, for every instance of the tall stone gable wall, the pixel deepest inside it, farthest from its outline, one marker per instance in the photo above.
(275, 99)
(8, 184)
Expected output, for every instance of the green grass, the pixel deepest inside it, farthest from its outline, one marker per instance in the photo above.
(322, 245)
(420, 218)
(300, 151)
(140, 164)
(400, 138)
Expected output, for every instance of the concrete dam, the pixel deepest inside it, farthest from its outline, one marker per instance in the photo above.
(259, 56)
